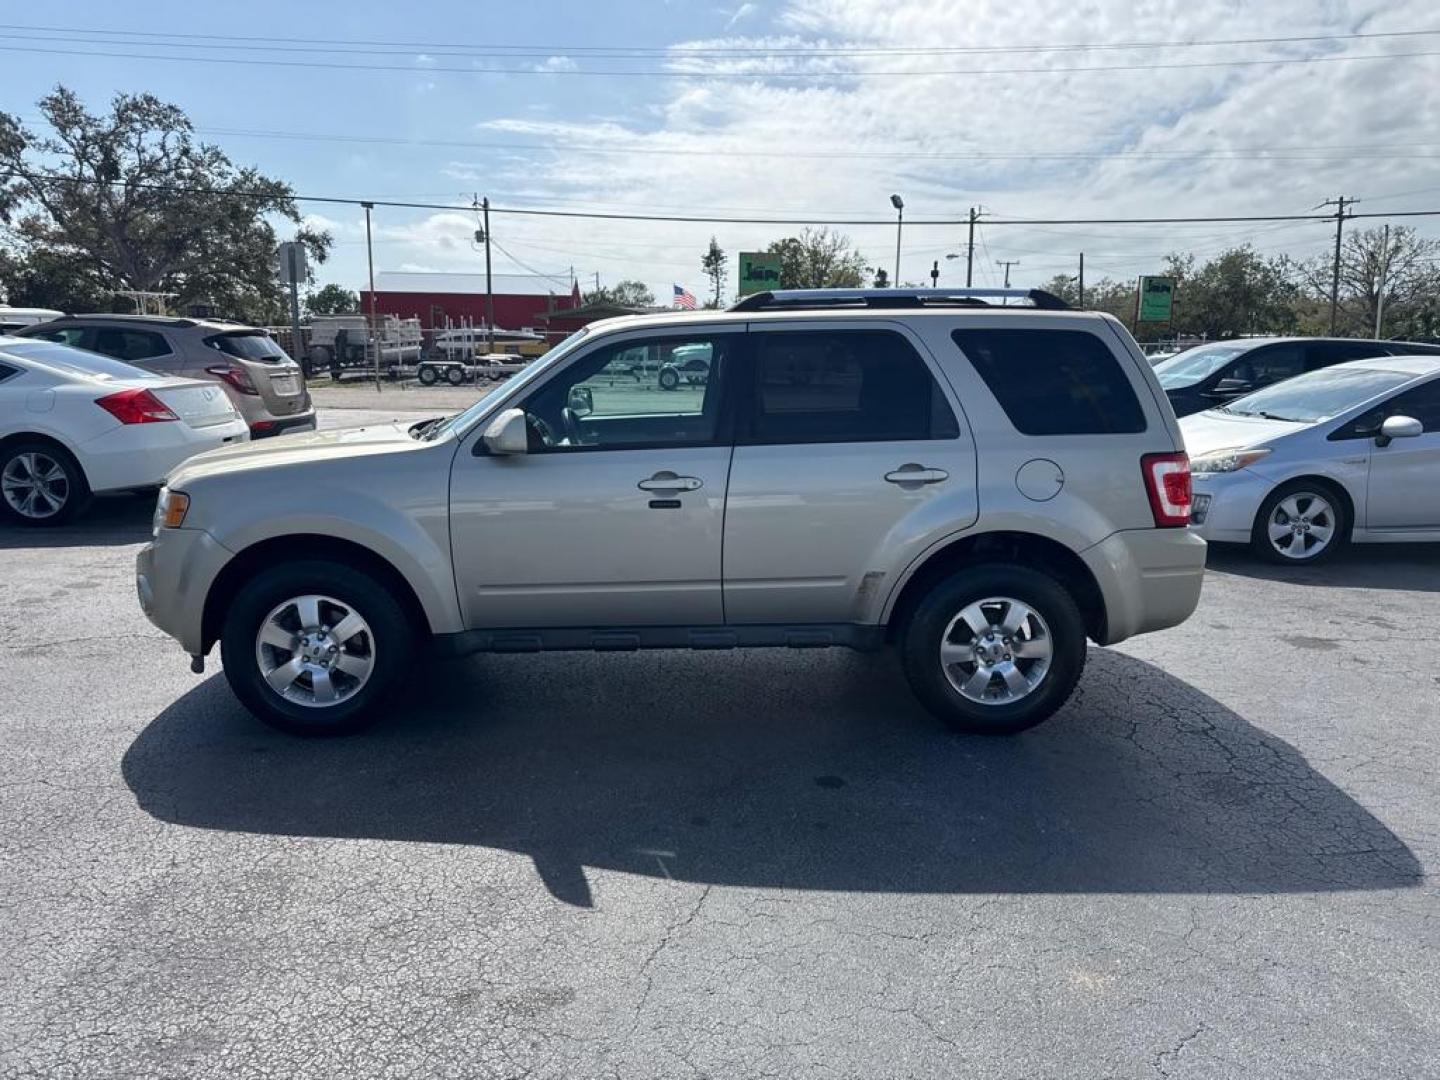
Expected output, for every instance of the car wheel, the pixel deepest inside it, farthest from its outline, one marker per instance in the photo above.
(995, 649)
(314, 647)
(1300, 522)
(426, 375)
(318, 361)
(41, 484)
(669, 378)
(455, 376)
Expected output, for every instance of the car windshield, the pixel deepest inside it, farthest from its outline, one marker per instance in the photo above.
(1318, 395)
(248, 346)
(66, 360)
(1193, 365)
(461, 421)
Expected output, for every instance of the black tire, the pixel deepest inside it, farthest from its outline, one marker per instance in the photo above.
(455, 376)
(426, 375)
(669, 378)
(392, 645)
(73, 487)
(1301, 490)
(924, 631)
(318, 361)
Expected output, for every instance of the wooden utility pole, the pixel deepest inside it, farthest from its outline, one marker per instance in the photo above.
(1384, 274)
(1007, 263)
(370, 259)
(1082, 281)
(1339, 203)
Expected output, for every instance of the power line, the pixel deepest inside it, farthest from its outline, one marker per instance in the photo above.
(413, 69)
(629, 51)
(703, 219)
(1343, 152)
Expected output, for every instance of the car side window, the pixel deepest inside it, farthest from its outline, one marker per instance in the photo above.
(66, 335)
(131, 346)
(656, 392)
(1054, 382)
(1272, 364)
(1321, 354)
(1421, 403)
(6, 372)
(843, 386)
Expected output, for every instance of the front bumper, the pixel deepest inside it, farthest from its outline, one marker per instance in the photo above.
(173, 575)
(1228, 504)
(1150, 579)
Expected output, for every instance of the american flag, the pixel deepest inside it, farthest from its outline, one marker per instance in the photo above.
(684, 298)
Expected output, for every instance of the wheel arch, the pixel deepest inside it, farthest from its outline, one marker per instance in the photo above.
(14, 438)
(263, 553)
(1021, 548)
(1347, 500)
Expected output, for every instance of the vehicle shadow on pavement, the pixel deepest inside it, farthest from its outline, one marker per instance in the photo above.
(110, 519)
(775, 769)
(1414, 567)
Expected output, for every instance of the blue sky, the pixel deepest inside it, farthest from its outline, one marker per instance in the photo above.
(1023, 133)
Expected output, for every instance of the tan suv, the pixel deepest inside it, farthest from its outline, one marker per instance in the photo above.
(982, 487)
(264, 384)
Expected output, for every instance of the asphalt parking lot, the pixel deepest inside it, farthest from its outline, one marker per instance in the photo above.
(1218, 860)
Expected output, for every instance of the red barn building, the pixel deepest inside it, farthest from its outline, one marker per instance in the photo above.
(521, 300)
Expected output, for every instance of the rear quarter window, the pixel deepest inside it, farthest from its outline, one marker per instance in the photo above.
(1054, 382)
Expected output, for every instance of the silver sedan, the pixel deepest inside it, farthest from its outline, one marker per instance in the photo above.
(1350, 453)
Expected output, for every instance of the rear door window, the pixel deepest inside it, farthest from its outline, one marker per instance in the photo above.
(1321, 354)
(1269, 364)
(1054, 382)
(65, 335)
(132, 346)
(843, 386)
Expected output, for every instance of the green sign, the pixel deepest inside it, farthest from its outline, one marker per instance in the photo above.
(759, 270)
(1157, 299)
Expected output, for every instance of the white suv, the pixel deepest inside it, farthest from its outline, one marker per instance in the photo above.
(983, 486)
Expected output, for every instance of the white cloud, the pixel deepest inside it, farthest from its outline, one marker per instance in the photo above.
(740, 14)
(556, 63)
(1021, 144)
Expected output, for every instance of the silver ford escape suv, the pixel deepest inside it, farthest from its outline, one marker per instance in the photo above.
(981, 484)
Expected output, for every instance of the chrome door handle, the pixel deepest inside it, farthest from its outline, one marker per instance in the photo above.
(668, 481)
(912, 473)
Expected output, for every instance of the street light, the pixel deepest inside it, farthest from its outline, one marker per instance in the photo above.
(899, 205)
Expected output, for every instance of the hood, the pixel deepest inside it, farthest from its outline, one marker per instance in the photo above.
(1206, 432)
(300, 449)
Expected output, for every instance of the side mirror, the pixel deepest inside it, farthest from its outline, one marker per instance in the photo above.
(1398, 427)
(507, 433)
(581, 401)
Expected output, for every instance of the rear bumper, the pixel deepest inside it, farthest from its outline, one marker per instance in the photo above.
(268, 427)
(1150, 579)
(173, 575)
(141, 455)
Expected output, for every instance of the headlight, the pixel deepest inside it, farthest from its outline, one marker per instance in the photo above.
(170, 510)
(1219, 461)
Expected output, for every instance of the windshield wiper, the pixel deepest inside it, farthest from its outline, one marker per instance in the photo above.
(423, 429)
(1273, 416)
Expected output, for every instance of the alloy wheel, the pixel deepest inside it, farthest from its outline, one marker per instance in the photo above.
(996, 651)
(35, 485)
(315, 651)
(1302, 525)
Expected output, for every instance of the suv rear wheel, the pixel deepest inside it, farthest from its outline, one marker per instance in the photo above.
(994, 649)
(314, 647)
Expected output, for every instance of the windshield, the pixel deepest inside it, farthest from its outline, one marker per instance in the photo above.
(1194, 365)
(248, 346)
(461, 421)
(65, 360)
(1318, 395)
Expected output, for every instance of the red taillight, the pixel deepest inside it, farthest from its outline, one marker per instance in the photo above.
(260, 427)
(1167, 482)
(136, 407)
(235, 375)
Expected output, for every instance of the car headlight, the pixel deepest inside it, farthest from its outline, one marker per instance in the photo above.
(170, 510)
(1222, 461)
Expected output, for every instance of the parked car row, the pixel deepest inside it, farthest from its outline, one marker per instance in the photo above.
(73, 423)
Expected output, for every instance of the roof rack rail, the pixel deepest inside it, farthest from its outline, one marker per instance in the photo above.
(801, 299)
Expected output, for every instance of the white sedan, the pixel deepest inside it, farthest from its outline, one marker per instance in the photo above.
(75, 422)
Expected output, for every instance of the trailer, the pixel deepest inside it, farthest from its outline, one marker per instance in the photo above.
(492, 366)
(340, 344)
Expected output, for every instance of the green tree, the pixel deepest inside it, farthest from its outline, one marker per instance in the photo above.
(131, 200)
(1401, 264)
(1112, 297)
(331, 300)
(627, 293)
(1237, 292)
(818, 259)
(882, 279)
(713, 262)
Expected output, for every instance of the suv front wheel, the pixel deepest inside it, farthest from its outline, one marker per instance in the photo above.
(314, 647)
(994, 649)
